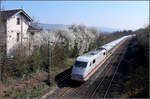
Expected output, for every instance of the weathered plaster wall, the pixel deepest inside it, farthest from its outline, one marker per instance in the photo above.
(2, 35)
(13, 28)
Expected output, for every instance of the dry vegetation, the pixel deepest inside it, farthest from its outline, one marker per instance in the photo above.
(143, 40)
(137, 86)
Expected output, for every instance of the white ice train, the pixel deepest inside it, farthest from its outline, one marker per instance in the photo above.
(88, 63)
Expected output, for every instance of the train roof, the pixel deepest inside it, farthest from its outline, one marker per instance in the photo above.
(110, 45)
(88, 56)
(107, 47)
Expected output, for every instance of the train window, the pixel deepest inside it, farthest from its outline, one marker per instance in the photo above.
(80, 64)
(104, 53)
(93, 61)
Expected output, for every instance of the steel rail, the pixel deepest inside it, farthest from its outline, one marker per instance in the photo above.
(63, 92)
(100, 83)
(77, 90)
(106, 65)
(113, 77)
(93, 93)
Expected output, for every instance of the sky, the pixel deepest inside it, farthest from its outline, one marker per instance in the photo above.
(113, 14)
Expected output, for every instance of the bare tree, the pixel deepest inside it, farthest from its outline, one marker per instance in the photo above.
(35, 23)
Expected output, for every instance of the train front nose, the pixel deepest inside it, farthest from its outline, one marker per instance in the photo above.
(77, 74)
(78, 70)
(76, 77)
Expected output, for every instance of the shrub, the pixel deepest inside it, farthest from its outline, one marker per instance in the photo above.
(143, 40)
(92, 46)
(37, 61)
(75, 51)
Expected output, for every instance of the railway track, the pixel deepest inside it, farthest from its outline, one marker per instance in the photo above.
(113, 77)
(99, 72)
(108, 67)
(72, 92)
(98, 85)
(59, 81)
(102, 87)
(75, 91)
(105, 83)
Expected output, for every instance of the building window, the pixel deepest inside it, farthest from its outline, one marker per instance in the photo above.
(32, 33)
(18, 36)
(18, 21)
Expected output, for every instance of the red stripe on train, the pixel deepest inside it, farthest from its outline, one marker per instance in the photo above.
(94, 68)
(98, 64)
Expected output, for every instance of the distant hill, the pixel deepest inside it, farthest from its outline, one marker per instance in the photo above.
(52, 26)
(105, 29)
(57, 26)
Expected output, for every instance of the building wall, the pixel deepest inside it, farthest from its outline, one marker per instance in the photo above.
(2, 35)
(13, 28)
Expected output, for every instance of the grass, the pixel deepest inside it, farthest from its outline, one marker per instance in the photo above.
(33, 92)
(70, 61)
(29, 93)
(40, 89)
(9, 93)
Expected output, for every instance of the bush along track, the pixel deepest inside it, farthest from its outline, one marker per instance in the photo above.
(137, 80)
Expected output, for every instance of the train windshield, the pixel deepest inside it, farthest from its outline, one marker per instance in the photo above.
(80, 64)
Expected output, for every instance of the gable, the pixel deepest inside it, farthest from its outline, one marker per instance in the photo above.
(10, 13)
